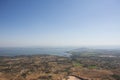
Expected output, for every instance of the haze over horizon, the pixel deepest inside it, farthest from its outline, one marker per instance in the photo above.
(59, 23)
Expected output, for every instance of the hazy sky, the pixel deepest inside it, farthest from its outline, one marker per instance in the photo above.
(59, 22)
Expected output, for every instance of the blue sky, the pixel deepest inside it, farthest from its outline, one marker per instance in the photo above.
(59, 23)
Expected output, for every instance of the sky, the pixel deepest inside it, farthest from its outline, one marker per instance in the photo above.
(59, 23)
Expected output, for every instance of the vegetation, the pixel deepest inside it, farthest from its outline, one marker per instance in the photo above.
(48, 67)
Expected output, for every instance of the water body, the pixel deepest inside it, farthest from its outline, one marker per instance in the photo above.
(33, 51)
